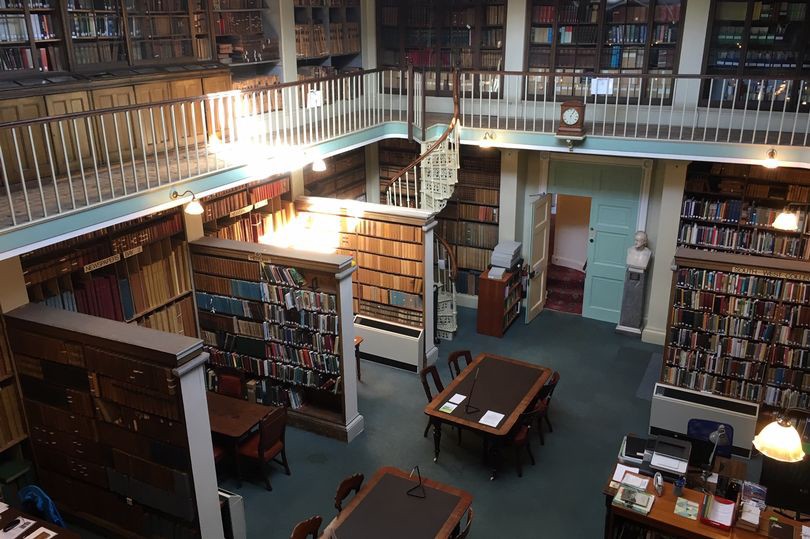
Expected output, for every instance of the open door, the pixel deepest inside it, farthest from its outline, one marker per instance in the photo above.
(538, 256)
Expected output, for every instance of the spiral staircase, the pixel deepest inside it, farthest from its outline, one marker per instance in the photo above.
(427, 184)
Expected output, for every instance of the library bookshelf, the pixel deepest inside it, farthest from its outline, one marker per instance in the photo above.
(137, 272)
(739, 326)
(282, 318)
(394, 155)
(327, 36)
(393, 251)
(469, 221)
(247, 212)
(118, 422)
(344, 177)
(13, 430)
(499, 302)
(730, 208)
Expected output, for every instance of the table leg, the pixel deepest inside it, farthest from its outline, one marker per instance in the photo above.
(494, 457)
(235, 453)
(437, 439)
(357, 359)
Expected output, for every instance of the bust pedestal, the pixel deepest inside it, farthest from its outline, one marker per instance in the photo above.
(635, 282)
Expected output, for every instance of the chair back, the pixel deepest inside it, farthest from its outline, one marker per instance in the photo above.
(351, 483)
(452, 361)
(548, 390)
(466, 530)
(701, 429)
(271, 429)
(231, 385)
(437, 381)
(306, 528)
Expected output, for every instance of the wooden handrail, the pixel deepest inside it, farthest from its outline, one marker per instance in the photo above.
(451, 256)
(442, 138)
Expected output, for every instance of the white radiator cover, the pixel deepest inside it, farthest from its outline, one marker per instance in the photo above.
(389, 343)
(673, 407)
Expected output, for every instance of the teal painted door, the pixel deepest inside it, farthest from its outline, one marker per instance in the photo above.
(614, 192)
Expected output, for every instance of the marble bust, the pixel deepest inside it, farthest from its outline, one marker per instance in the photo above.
(638, 256)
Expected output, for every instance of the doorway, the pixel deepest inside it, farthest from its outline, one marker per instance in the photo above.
(570, 221)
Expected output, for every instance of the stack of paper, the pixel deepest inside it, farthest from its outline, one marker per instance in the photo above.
(506, 254)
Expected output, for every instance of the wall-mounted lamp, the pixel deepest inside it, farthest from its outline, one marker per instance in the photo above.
(486, 142)
(319, 165)
(192, 208)
(771, 161)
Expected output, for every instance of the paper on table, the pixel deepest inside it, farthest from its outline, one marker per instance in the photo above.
(491, 419)
(621, 469)
(41, 533)
(448, 407)
(805, 532)
(458, 398)
(722, 513)
(686, 508)
(635, 481)
(17, 530)
(3, 507)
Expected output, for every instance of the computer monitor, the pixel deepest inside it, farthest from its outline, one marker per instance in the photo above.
(788, 484)
(701, 450)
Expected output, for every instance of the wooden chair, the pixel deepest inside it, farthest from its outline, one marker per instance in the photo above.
(307, 528)
(231, 385)
(519, 437)
(453, 364)
(437, 383)
(543, 401)
(266, 444)
(219, 453)
(351, 483)
(466, 530)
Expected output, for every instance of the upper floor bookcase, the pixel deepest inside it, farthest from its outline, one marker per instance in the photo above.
(754, 37)
(439, 36)
(637, 36)
(327, 37)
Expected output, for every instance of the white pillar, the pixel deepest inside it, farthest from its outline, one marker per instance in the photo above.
(354, 421)
(431, 352)
(695, 28)
(508, 196)
(515, 39)
(666, 243)
(368, 33)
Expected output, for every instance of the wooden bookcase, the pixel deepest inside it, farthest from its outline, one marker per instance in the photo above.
(13, 429)
(498, 302)
(247, 212)
(344, 177)
(604, 37)
(327, 36)
(31, 37)
(136, 272)
(740, 327)
(243, 37)
(730, 208)
(119, 426)
(438, 37)
(283, 318)
(469, 222)
(754, 37)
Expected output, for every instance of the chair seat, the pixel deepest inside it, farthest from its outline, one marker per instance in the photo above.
(250, 448)
(521, 435)
(219, 453)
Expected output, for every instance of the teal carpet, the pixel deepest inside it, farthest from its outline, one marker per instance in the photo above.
(560, 497)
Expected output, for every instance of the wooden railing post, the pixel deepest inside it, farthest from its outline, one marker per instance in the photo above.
(410, 88)
(424, 105)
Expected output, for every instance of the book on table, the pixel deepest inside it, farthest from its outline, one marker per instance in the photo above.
(633, 498)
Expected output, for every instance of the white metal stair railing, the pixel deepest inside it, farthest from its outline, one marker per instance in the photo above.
(439, 173)
(445, 275)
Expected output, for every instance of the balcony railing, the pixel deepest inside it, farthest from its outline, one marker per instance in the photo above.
(58, 165)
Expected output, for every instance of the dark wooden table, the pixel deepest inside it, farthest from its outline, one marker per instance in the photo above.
(233, 419)
(383, 508)
(504, 385)
(61, 533)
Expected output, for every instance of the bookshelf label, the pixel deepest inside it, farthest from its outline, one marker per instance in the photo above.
(260, 204)
(258, 258)
(101, 263)
(134, 251)
(774, 274)
(241, 211)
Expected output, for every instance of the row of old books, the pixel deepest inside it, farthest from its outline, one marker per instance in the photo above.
(310, 41)
(387, 296)
(177, 317)
(760, 242)
(390, 265)
(413, 285)
(700, 360)
(481, 235)
(261, 391)
(711, 383)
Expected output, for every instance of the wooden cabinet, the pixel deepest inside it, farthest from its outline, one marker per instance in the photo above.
(498, 302)
(24, 108)
(220, 83)
(187, 118)
(71, 138)
(114, 131)
(156, 123)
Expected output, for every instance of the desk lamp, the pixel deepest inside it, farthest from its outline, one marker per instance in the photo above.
(718, 437)
(780, 440)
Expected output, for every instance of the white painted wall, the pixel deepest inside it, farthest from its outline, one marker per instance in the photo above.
(571, 231)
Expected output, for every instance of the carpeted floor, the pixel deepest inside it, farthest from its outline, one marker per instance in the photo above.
(566, 289)
(560, 497)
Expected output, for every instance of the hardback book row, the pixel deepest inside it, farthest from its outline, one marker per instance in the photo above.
(744, 285)
(306, 300)
(262, 391)
(300, 367)
(411, 285)
(710, 383)
(387, 312)
(385, 296)
(699, 360)
(388, 264)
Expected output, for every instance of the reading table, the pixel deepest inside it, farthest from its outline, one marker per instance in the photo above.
(384, 508)
(503, 387)
(34, 531)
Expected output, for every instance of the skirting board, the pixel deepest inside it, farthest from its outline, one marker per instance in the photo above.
(654, 336)
(568, 263)
(344, 433)
(624, 330)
